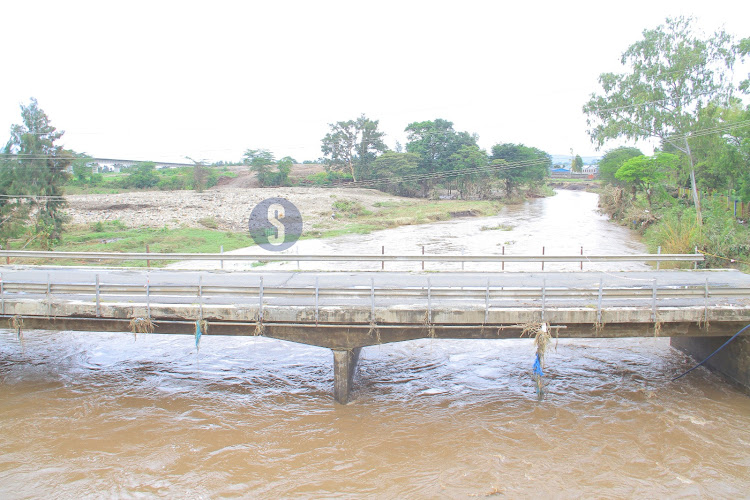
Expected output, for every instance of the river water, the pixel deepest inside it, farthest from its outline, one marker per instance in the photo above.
(106, 415)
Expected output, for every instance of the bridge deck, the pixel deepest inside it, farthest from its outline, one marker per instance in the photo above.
(342, 307)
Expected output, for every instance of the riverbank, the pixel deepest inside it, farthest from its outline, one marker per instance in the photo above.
(190, 222)
(671, 224)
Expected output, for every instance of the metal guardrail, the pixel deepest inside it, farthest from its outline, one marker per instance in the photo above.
(288, 257)
(17, 289)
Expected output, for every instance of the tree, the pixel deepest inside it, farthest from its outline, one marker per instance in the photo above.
(577, 164)
(260, 161)
(722, 160)
(520, 165)
(284, 167)
(613, 160)
(353, 145)
(743, 49)
(33, 172)
(396, 171)
(435, 142)
(642, 172)
(673, 73)
(472, 177)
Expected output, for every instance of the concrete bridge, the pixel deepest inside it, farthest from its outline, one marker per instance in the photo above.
(346, 311)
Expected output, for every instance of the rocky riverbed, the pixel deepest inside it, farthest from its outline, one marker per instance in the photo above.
(226, 209)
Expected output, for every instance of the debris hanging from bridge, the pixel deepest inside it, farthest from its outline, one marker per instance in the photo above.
(542, 340)
(141, 325)
(16, 323)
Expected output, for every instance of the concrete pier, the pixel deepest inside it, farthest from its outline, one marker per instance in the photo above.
(344, 365)
(733, 362)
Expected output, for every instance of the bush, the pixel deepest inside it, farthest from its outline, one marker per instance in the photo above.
(172, 183)
(208, 222)
(328, 178)
(350, 208)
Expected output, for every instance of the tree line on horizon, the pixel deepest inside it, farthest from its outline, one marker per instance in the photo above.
(436, 156)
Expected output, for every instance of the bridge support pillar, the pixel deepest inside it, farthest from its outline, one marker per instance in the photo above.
(344, 364)
(733, 361)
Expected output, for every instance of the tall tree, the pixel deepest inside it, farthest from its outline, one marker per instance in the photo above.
(743, 49)
(520, 165)
(33, 172)
(577, 164)
(672, 73)
(435, 142)
(353, 145)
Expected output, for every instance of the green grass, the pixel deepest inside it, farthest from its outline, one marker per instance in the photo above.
(116, 237)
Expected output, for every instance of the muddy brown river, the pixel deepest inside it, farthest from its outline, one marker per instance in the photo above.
(101, 415)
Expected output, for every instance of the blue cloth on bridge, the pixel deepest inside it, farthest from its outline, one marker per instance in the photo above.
(198, 333)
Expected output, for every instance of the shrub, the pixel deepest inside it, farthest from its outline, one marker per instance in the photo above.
(209, 222)
(350, 208)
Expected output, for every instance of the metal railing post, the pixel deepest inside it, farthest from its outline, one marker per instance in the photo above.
(98, 305)
(658, 252)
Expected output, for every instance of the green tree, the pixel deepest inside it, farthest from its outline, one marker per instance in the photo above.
(471, 175)
(396, 171)
(520, 165)
(577, 164)
(352, 146)
(260, 161)
(613, 160)
(722, 161)
(672, 74)
(643, 172)
(284, 167)
(33, 172)
(435, 142)
(743, 49)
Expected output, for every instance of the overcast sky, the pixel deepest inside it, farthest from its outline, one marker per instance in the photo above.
(165, 80)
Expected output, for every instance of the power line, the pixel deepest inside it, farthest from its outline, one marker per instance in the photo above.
(646, 103)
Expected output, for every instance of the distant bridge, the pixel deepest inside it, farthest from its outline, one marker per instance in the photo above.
(345, 311)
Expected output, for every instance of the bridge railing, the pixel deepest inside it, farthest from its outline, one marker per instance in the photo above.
(367, 292)
(290, 257)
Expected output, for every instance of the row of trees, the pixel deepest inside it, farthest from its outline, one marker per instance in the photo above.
(677, 88)
(436, 156)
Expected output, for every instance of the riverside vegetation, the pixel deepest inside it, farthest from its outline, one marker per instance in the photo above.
(677, 88)
(439, 166)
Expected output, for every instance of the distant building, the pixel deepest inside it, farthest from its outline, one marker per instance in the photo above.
(590, 169)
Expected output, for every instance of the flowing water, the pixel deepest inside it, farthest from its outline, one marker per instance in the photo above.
(109, 415)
